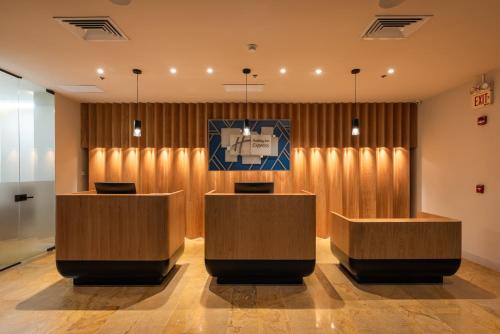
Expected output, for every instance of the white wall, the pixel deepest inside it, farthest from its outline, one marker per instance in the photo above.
(68, 151)
(454, 154)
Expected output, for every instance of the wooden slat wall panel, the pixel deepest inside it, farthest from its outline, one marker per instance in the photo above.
(369, 182)
(84, 123)
(358, 183)
(184, 125)
(385, 191)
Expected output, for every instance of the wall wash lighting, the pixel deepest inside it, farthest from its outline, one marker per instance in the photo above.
(136, 124)
(355, 121)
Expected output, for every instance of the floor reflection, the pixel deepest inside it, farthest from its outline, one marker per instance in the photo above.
(62, 295)
(34, 298)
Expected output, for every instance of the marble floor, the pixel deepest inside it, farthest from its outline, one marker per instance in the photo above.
(15, 250)
(34, 298)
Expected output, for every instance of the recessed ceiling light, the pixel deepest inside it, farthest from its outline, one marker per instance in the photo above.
(282, 70)
(391, 71)
(173, 70)
(318, 71)
(210, 70)
(100, 71)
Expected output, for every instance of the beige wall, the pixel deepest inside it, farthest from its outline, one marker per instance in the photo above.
(454, 154)
(68, 152)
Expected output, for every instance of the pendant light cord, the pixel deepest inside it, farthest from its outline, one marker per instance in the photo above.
(356, 94)
(246, 94)
(137, 90)
(355, 88)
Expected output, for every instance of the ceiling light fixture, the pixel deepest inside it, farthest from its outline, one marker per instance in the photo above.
(355, 120)
(246, 128)
(210, 70)
(283, 70)
(318, 71)
(246, 125)
(136, 123)
(100, 73)
(391, 71)
(173, 70)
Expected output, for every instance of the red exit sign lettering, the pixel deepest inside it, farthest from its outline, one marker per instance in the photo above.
(481, 98)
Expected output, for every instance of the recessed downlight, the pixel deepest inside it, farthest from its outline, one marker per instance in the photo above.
(173, 70)
(283, 70)
(318, 71)
(210, 70)
(391, 70)
(100, 71)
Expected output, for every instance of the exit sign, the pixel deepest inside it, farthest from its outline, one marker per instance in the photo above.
(481, 98)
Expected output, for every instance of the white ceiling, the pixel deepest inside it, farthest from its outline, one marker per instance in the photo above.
(458, 43)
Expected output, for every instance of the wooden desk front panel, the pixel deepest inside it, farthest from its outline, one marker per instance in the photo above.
(117, 227)
(260, 226)
(432, 237)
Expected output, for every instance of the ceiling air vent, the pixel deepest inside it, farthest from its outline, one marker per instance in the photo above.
(96, 28)
(81, 89)
(394, 26)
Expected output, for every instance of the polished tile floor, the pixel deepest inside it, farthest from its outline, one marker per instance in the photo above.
(35, 299)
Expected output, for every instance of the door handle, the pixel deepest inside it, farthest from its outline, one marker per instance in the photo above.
(22, 197)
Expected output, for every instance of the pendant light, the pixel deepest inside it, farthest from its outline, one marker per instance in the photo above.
(136, 123)
(246, 125)
(355, 121)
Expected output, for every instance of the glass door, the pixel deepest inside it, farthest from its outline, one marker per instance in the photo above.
(9, 169)
(27, 196)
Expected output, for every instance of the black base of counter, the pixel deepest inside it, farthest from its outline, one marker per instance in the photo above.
(397, 270)
(259, 271)
(118, 272)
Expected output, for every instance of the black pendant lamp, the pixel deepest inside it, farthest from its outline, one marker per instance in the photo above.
(246, 126)
(136, 123)
(355, 121)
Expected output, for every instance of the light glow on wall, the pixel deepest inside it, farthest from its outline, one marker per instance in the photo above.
(355, 181)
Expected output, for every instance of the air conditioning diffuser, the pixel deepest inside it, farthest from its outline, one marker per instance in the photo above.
(97, 28)
(394, 26)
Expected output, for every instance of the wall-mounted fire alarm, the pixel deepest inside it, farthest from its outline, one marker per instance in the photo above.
(480, 188)
(482, 120)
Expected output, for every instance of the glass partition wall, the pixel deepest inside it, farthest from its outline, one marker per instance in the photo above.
(27, 196)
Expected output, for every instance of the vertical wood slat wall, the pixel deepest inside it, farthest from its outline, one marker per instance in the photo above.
(184, 125)
(357, 177)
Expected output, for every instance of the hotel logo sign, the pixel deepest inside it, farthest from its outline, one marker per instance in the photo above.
(265, 147)
(260, 145)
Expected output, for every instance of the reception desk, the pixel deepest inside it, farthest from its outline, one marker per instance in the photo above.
(119, 239)
(260, 237)
(419, 250)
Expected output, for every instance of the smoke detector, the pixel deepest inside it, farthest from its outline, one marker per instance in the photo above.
(96, 28)
(252, 47)
(394, 26)
(121, 2)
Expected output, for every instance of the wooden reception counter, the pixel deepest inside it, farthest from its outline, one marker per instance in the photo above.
(260, 237)
(420, 250)
(108, 239)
